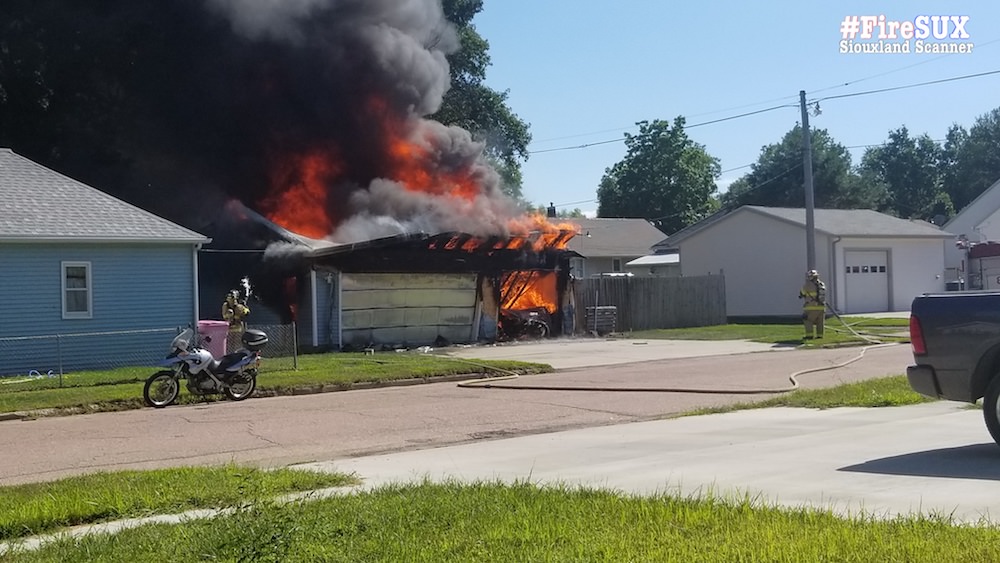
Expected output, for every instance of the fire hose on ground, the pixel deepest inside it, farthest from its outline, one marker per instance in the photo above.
(497, 381)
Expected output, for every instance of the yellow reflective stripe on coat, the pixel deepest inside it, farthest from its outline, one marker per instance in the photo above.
(811, 301)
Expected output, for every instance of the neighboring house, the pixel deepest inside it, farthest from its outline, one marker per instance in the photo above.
(977, 222)
(607, 245)
(75, 261)
(663, 265)
(869, 261)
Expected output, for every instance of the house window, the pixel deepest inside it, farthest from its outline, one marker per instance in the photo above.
(76, 290)
(616, 264)
(576, 267)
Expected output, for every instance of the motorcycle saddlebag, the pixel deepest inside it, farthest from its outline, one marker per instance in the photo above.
(254, 340)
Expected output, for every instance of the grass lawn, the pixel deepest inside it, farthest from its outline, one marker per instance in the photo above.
(883, 392)
(121, 389)
(43, 507)
(522, 522)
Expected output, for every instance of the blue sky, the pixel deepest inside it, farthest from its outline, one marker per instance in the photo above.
(585, 71)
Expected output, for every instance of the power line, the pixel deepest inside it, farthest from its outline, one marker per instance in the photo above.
(737, 168)
(773, 108)
(574, 202)
(880, 75)
(689, 116)
(887, 143)
(773, 100)
(895, 88)
(623, 137)
(768, 181)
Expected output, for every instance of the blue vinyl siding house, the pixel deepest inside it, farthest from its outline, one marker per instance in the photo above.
(86, 280)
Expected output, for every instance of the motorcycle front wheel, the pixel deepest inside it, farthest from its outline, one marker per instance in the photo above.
(162, 389)
(241, 386)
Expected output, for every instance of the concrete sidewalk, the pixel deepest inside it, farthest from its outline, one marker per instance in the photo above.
(934, 458)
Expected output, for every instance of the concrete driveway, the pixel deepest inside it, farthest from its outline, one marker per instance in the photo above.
(586, 352)
(934, 458)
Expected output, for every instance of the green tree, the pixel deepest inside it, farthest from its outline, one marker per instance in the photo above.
(665, 178)
(777, 179)
(472, 105)
(970, 160)
(908, 169)
(64, 77)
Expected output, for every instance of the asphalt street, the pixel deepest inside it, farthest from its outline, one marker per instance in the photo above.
(933, 458)
(333, 426)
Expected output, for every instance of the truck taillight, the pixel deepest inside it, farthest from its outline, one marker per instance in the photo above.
(917, 337)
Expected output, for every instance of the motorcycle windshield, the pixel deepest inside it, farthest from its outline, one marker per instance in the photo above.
(182, 341)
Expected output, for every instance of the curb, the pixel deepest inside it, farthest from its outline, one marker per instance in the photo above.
(284, 392)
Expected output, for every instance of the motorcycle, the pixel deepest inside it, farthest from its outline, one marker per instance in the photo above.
(234, 375)
(525, 324)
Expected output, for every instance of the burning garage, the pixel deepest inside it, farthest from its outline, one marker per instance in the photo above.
(423, 289)
(409, 289)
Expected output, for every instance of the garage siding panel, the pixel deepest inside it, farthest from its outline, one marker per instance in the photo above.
(764, 261)
(407, 309)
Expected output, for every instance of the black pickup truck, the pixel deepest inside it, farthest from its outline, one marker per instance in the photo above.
(956, 350)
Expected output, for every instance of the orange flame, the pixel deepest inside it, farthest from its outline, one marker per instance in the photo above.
(529, 290)
(412, 164)
(302, 183)
(301, 188)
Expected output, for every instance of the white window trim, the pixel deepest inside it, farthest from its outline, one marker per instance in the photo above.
(89, 314)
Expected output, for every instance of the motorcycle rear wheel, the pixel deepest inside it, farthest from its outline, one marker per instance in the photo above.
(241, 386)
(161, 389)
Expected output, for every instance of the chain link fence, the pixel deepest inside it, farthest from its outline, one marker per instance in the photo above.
(281, 351)
(59, 354)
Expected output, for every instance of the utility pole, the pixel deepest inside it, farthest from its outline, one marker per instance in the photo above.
(807, 163)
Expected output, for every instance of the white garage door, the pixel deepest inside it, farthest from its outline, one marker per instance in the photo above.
(866, 281)
(406, 309)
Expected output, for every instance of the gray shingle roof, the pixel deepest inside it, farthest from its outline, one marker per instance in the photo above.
(855, 222)
(40, 204)
(834, 222)
(613, 237)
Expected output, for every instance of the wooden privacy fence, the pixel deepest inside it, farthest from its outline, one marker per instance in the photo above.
(649, 303)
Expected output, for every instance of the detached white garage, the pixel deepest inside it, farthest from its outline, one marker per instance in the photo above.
(871, 262)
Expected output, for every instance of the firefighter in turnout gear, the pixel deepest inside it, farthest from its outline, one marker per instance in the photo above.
(813, 294)
(234, 310)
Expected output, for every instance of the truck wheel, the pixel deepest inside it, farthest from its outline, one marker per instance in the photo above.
(991, 408)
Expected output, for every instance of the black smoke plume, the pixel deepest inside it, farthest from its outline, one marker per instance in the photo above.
(207, 100)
